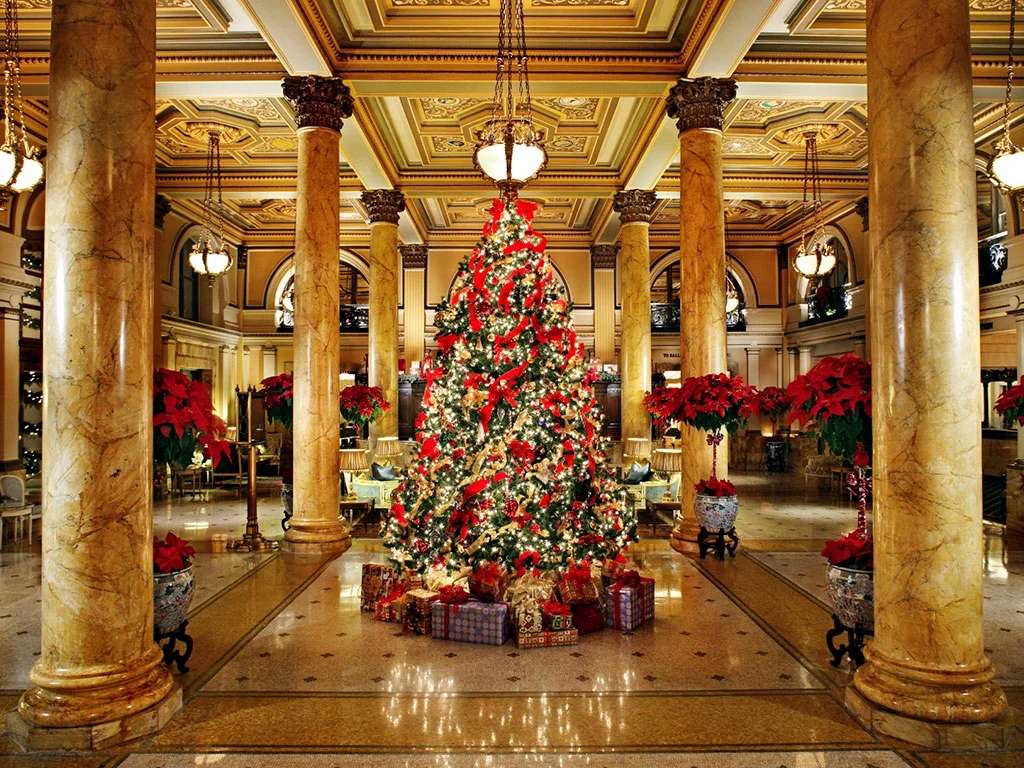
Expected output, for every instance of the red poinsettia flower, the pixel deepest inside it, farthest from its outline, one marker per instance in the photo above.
(834, 399)
(171, 554)
(715, 487)
(362, 405)
(853, 550)
(1011, 403)
(184, 418)
(711, 403)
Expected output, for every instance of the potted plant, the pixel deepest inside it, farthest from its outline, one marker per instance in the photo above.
(772, 403)
(833, 399)
(361, 405)
(715, 403)
(183, 421)
(278, 393)
(173, 583)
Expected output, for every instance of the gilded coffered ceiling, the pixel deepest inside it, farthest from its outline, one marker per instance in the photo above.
(464, 214)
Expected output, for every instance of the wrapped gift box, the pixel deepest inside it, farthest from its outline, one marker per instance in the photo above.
(526, 595)
(472, 622)
(488, 583)
(391, 607)
(547, 639)
(557, 616)
(588, 617)
(629, 602)
(579, 586)
(378, 581)
(418, 610)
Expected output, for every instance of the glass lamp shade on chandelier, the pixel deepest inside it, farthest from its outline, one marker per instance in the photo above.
(732, 299)
(815, 257)
(509, 148)
(20, 169)
(1007, 165)
(210, 255)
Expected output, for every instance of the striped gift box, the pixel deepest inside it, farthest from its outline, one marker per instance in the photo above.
(547, 639)
(629, 607)
(472, 622)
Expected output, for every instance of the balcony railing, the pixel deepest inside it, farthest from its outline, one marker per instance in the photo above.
(828, 303)
(352, 318)
(665, 318)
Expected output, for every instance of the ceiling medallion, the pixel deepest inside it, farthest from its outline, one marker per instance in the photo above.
(209, 255)
(1007, 165)
(815, 257)
(509, 149)
(20, 169)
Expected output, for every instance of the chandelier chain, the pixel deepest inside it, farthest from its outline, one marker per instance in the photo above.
(1010, 65)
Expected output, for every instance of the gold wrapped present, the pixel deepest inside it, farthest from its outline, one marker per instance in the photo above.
(418, 610)
(378, 580)
(547, 639)
(526, 596)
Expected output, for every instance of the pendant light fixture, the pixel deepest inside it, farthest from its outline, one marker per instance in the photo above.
(509, 149)
(20, 169)
(815, 257)
(732, 298)
(210, 254)
(1007, 166)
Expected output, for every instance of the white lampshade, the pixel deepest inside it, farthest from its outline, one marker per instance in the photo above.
(7, 163)
(213, 262)
(527, 160)
(814, 262)
(1008, 168)
(387, 447)
(732, 303)
(31, 173)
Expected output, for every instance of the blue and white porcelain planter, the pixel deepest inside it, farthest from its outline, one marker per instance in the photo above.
(172, 596)
(852, 592)
(716, 513)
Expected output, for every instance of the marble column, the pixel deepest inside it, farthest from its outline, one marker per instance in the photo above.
(698, 107)
(256, 364)
(10, 389)
(384, 206)
(806, 361)
(635, 208)
(321, 104)
(926, 664)
(860, 348)
(602, 263)
(269, 361)
(414, 273)
(225, 383)
(754, 366)
(780, 367)
(99, 678)
(794, 363)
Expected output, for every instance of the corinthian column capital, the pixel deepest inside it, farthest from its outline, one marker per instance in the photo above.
(319, 102)
(700, 103)
(634, 205)
(383, 204)
(603, 255)
(414, 255)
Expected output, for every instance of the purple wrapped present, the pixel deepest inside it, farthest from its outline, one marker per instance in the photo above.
(472, 622)
(629, 601)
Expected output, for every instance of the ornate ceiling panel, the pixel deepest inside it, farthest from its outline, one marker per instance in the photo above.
(174, 17)
(465, 214)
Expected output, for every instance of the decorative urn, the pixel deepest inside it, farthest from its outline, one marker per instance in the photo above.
(716, 513)
(852, 593)
(172, 596)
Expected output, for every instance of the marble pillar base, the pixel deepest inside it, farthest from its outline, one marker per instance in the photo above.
(32, 737)
(883, 722)
(957, 696)
(684, 537)
(316, 541)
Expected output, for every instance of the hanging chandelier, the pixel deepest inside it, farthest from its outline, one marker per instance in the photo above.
(20, 169)
(815, 257)
(509, 149)
(1007, 166)
(732, 298)
(210, 254)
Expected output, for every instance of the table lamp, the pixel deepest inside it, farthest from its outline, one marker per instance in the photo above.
(387, 448)
(351, 460)
(636, 448)
(668, 461)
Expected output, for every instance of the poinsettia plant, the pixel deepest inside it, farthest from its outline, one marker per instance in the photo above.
(772, 403)
(852, 550)
(712, 403)
(834, 400)
(278, 393)
(172, 554)
(363, 405)
(715, 487)
(1010, 404)
(183, 418)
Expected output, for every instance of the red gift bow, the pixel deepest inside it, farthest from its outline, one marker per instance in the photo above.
(453, 594)
(555, 608)
(488, 573)
(579, 574)
(626, 579)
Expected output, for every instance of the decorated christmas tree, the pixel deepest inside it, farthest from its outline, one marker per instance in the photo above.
(511, 467)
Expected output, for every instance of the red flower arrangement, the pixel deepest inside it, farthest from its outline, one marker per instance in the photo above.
(773, 403)
(715, 487)
(363, 405)
(278, 392)
(183, 418)
(712, 403)
(171, 554)
(1010, 404)
(853, 550)
(834, 398)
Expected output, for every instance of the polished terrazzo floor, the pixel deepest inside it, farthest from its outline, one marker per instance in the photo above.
(733, 671)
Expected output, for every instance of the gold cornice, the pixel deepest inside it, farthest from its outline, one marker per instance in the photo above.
(707, 19)
(183, 65)
(986, 69)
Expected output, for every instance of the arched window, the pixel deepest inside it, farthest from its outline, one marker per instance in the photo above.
(828, 297)
(665, 301)
(188, 284)
(353, 290)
